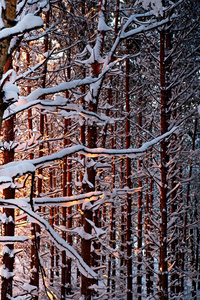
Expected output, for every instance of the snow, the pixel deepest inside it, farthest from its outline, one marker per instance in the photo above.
(55, 237)
(16, 169)
(13, 239)
(10, 89)
(11, 93)
(29, 22)
(29, 288)
(156, 5)
(10, 252)
(19, 168)
(6, 273)
(21, 297)
(81, 232)
(20, 5)
(83, 113)
(9, 145)
(60, 88)
(102, 25)
(98, 231)
(8, 78)
(5, 182)
(3, 218)
(68, 201)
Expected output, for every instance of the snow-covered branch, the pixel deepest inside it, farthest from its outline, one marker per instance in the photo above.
(19, 168)
(59, 242)
(29, 22)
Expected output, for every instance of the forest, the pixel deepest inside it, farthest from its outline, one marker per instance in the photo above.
(100, 149)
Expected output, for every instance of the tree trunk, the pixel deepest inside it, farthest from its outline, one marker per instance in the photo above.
(139, 239)
(149, 225)
(9, 193)
(128, 183)
(163, 280)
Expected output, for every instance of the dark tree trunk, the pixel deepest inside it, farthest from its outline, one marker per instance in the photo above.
(149, 226)
(139, 239)
(163, 280)
(129, 185)
(9, 193)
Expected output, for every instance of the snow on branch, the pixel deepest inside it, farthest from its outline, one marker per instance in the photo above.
(23, 105)
(36, 67)
(64, 86)
(142, 28)
(68, 201)
(54, 236)
(8, 87)
(19, 168)
(13, 239)
(75, 111)
(29, 22)
(5, 182)
(156, 5)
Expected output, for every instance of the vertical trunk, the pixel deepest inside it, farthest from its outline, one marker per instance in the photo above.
(35, 264)
(51, 209)
(34, 255)
(139, 239)
(123, 213)
(69, 220)
(87, 213)
(163, 279)
(128, 183)
(9, 226)
(91, 143)
(34, 261)
(51, 221)
(111, 259)
(9, 193)
(148, 222)
(66, 213)
(174, 288)
(64, 218)
(197, 263)
(8, 17)
(185, 233)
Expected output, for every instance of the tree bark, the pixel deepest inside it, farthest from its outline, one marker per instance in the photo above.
(139, 238)
(163, 280)
(9, 193)
(129, 185)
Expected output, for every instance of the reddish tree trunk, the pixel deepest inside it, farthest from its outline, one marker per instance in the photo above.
(163, 281)
(69, 220)
(9, 226)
